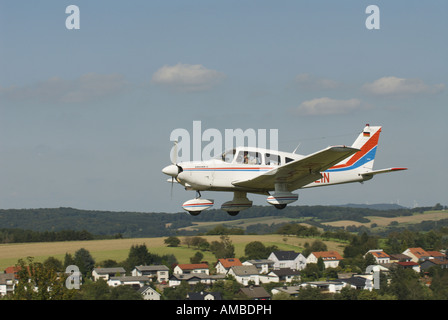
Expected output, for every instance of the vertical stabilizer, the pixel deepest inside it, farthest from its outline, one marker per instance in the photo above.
(367, 143)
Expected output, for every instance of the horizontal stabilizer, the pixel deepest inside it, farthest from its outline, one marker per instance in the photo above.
(372, 173)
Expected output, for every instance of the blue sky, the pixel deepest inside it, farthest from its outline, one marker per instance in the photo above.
(86, 115)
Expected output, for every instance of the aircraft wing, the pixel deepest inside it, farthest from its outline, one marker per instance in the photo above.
(300, 172)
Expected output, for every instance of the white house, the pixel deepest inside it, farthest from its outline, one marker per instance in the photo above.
(127, 280)
(263, 265)
(288, 259)
(7, 283)
(191, 268)
(417, 254)
(224, 265)
(380, 256)
(244, 274)
(149, 293)
(326, 286)
(331, 259)
(159, 272)
(204, 296)
(192, 279)
(107, 273)
(285, 274)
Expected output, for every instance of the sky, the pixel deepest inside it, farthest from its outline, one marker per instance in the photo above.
(86, 113)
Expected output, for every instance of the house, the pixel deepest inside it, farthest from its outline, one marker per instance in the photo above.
(191, 268)
(288, 259)
(127, 281)
(331, 259)
(399, 257)
(326, 286)
(204, 296)
(360, 283)
(224, 265)
(7, 283)
(425, 265)
(437, 255)
(410, 265)
(293, 291)
(417, 254)
(285, 274)
(194, 278)
(255, 293)
(149, 293)
(263, 265)
(13, 270)
(380, 256)
(159, 272)
(245, 274)
(107, 273)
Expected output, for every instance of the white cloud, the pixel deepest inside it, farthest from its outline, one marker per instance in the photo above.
(393, 86)
(327, 106)
(187, 77)
(88, 87)
(310, 82)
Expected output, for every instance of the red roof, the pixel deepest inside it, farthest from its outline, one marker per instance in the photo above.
(419, 253)
(192, 266)
(436, 254)
(407, 263)
(327, 255)
(230, 262)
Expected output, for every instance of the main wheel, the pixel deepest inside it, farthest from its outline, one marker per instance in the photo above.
(194, 213)
(233, 213)
(280, 206)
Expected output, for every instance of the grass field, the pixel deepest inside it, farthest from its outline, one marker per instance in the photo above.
(405, 220)
(244, 223)
(118, 249)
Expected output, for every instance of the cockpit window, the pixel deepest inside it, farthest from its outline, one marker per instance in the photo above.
(248, 157)
(272, 159)
(228, 155)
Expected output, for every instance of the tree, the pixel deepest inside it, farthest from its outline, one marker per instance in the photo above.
(257, 250)
(172, 241)
(316, 246)
(53, 263)
(84, 261)
(138, 255)
(39, 282)
(405, 285)
(124, 293)
(98, 290)
(320, 264)
(197, 258)
(311, 272)
(223, 249)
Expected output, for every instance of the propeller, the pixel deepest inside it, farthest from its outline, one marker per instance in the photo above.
(174, 162)
(173, 169)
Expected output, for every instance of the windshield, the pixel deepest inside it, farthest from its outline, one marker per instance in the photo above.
(228, 156)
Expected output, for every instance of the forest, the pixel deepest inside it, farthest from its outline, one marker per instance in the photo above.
(58, 224)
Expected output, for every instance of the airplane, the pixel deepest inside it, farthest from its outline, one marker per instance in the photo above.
(276, 174)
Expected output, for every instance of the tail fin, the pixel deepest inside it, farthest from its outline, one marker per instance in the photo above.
(367, 143)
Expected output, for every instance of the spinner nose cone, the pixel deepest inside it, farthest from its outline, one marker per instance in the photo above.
(171, 170)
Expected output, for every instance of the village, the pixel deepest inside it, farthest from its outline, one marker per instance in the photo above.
(282, 275)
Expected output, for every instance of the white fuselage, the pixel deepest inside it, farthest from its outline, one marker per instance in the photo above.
(218, 174)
